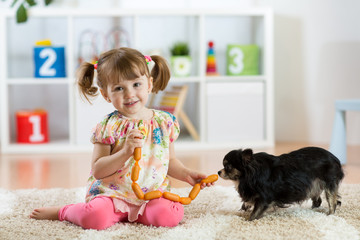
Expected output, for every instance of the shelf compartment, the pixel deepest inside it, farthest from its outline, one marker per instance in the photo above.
(47, 97)
(235, 112)
(242, 30)
(93, 36)
(21, 40)
(187, 30)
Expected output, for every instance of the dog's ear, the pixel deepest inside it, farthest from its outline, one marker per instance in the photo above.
(247, 155)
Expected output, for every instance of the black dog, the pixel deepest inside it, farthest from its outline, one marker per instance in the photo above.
(264, 180)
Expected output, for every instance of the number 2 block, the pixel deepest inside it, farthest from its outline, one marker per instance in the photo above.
(49, 62)
(242, 60)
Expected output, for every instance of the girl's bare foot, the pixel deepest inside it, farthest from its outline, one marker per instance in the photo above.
(46, 213)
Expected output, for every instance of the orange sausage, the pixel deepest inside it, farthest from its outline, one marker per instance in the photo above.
(153, 195)
(210, 179)
(137, 154)
(194, 191)
(135, 172)
(185, 200)
(171, 196)
(137, 190)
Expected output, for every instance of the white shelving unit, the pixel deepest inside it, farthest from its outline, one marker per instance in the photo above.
(70, 119)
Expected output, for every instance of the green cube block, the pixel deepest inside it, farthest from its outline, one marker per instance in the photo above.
(242, 60)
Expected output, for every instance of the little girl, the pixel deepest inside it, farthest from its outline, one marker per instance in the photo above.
(124, 79)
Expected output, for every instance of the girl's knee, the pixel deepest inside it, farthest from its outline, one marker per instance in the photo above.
(97, 214)
(95, 219)
(163, 213)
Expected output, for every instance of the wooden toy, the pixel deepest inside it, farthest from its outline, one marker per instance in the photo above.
(117, 37)
(88, 49)
(43, 42)
(32, 126)
(49, 60)
(242, 60)
(168, 195)
(211, 61)
(173, 101)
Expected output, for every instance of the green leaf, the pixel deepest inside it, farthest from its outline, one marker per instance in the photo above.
(31, 2)
(21, 15)
(47, 2)
(13, 3)
(180, 49)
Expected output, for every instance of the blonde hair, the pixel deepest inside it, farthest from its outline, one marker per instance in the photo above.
(121, 64)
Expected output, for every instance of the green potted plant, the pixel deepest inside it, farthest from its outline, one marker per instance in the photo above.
(22, 7)
(180, 59)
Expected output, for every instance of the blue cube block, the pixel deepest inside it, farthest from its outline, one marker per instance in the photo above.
(49, 62)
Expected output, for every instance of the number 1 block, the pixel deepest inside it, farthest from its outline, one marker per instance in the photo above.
(49, 62)
(32, 126)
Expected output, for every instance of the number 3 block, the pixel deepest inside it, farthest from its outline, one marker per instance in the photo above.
(49, 62)
(242, 60)
(32, 126)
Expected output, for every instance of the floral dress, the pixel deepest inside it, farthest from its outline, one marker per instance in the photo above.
(159, 132)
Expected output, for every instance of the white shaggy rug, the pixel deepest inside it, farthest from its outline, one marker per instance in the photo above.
(214, 214)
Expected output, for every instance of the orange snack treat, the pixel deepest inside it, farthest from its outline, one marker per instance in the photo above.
(194, 191)
(137, 154)
(137, 190)
(135, 172)
(210, 179)
(153, 195)
(185, 200)
(171, 196)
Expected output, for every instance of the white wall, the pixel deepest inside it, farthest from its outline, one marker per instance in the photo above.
(316, 59)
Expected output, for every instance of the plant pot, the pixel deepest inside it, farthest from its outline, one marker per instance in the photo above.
(181, 66)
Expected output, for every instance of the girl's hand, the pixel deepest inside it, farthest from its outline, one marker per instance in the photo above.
(104, 163)
(195, 177)
(133, 140)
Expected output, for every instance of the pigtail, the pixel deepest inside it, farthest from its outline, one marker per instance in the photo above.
(85, 78)
(160, 73)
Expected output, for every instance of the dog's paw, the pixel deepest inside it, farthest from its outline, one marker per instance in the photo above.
(246, 207)
(316, 203)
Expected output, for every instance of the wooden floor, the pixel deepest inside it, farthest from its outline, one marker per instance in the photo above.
(72, 170)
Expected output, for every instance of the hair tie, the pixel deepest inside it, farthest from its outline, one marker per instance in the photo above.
(150, 63)
(147, 59)
(96, 65)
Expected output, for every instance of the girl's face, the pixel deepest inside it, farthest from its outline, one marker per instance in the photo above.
(129, 97)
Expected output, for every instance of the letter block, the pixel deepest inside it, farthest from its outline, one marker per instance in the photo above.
(32, 126)
(49, 62)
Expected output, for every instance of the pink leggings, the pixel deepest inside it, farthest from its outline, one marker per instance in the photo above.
(99, 213)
